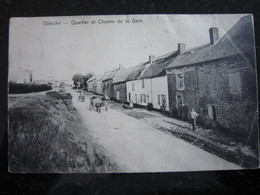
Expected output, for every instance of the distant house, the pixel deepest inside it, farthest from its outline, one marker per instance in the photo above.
(150, 86)
(99, 85)
(119, 84)
(107, 80)
(91, 83)
(218, 79)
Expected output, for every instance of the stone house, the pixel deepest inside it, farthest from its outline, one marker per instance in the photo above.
(218, 79)
(107, 80)
(119, 84)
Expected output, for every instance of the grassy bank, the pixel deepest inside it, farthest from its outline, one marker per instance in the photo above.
(46, 134)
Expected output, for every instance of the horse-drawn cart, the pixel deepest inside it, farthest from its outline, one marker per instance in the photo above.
(97, 103)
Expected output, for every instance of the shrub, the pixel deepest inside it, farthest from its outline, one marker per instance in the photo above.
(15, 88)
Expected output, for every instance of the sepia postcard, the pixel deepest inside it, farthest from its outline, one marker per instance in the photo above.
(132, 93)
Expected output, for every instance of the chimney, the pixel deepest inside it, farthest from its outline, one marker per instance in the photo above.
(213, 35)
(181, 48)
(151, 59)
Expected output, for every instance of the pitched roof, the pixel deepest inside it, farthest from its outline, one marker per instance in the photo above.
(122, 75)
(238, 40)
(109, 75)
(157, 68)
(136, 71)
(99, 77)
(92, 79)
(147, 70)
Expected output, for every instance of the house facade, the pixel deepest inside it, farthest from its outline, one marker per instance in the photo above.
(150, 88)
(119, 84)
(99, 89)
(91, 84)
(107, 81)
(218, 80)
(139, 91)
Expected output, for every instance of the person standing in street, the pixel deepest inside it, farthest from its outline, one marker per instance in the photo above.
(163, 106)
(180, 107)
(194, 115)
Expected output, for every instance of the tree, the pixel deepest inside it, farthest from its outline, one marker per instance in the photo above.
(77, 80)
(85, 79)
(80, 80)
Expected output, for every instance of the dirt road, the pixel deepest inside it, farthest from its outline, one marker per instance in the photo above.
(139, 147)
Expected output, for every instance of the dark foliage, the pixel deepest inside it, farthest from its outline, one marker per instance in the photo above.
(15, 88)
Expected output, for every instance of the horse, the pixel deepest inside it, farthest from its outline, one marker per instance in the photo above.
(97, 102)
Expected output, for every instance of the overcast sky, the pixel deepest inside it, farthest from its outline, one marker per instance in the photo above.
(57, 48)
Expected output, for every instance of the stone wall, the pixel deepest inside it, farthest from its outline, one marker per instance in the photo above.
(206, 84)
(121, 88)
(108, 88)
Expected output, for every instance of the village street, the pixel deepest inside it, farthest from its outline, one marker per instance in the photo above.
(138, 147)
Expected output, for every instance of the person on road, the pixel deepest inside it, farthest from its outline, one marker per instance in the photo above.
(180, 108)
(163, 106)
(193, 115)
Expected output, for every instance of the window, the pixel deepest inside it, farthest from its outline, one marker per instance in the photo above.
(135, 98)
(180, 81)
(141, 99)
(212, 112)
(144, 97)
(234, 83)
(163, 98)
(129, 96)
(133, 86)
(142, 83)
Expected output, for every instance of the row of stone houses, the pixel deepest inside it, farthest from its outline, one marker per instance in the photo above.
(217, 79)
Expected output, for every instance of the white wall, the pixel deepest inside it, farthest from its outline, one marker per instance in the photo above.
(138, 90)
(152, 87)
(160, 87)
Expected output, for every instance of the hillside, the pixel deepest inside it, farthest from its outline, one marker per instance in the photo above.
(45, 135)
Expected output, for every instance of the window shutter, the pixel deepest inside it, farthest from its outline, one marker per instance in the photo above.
(230, 81)
(234, 83)
(210, 111)
(238, 82)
